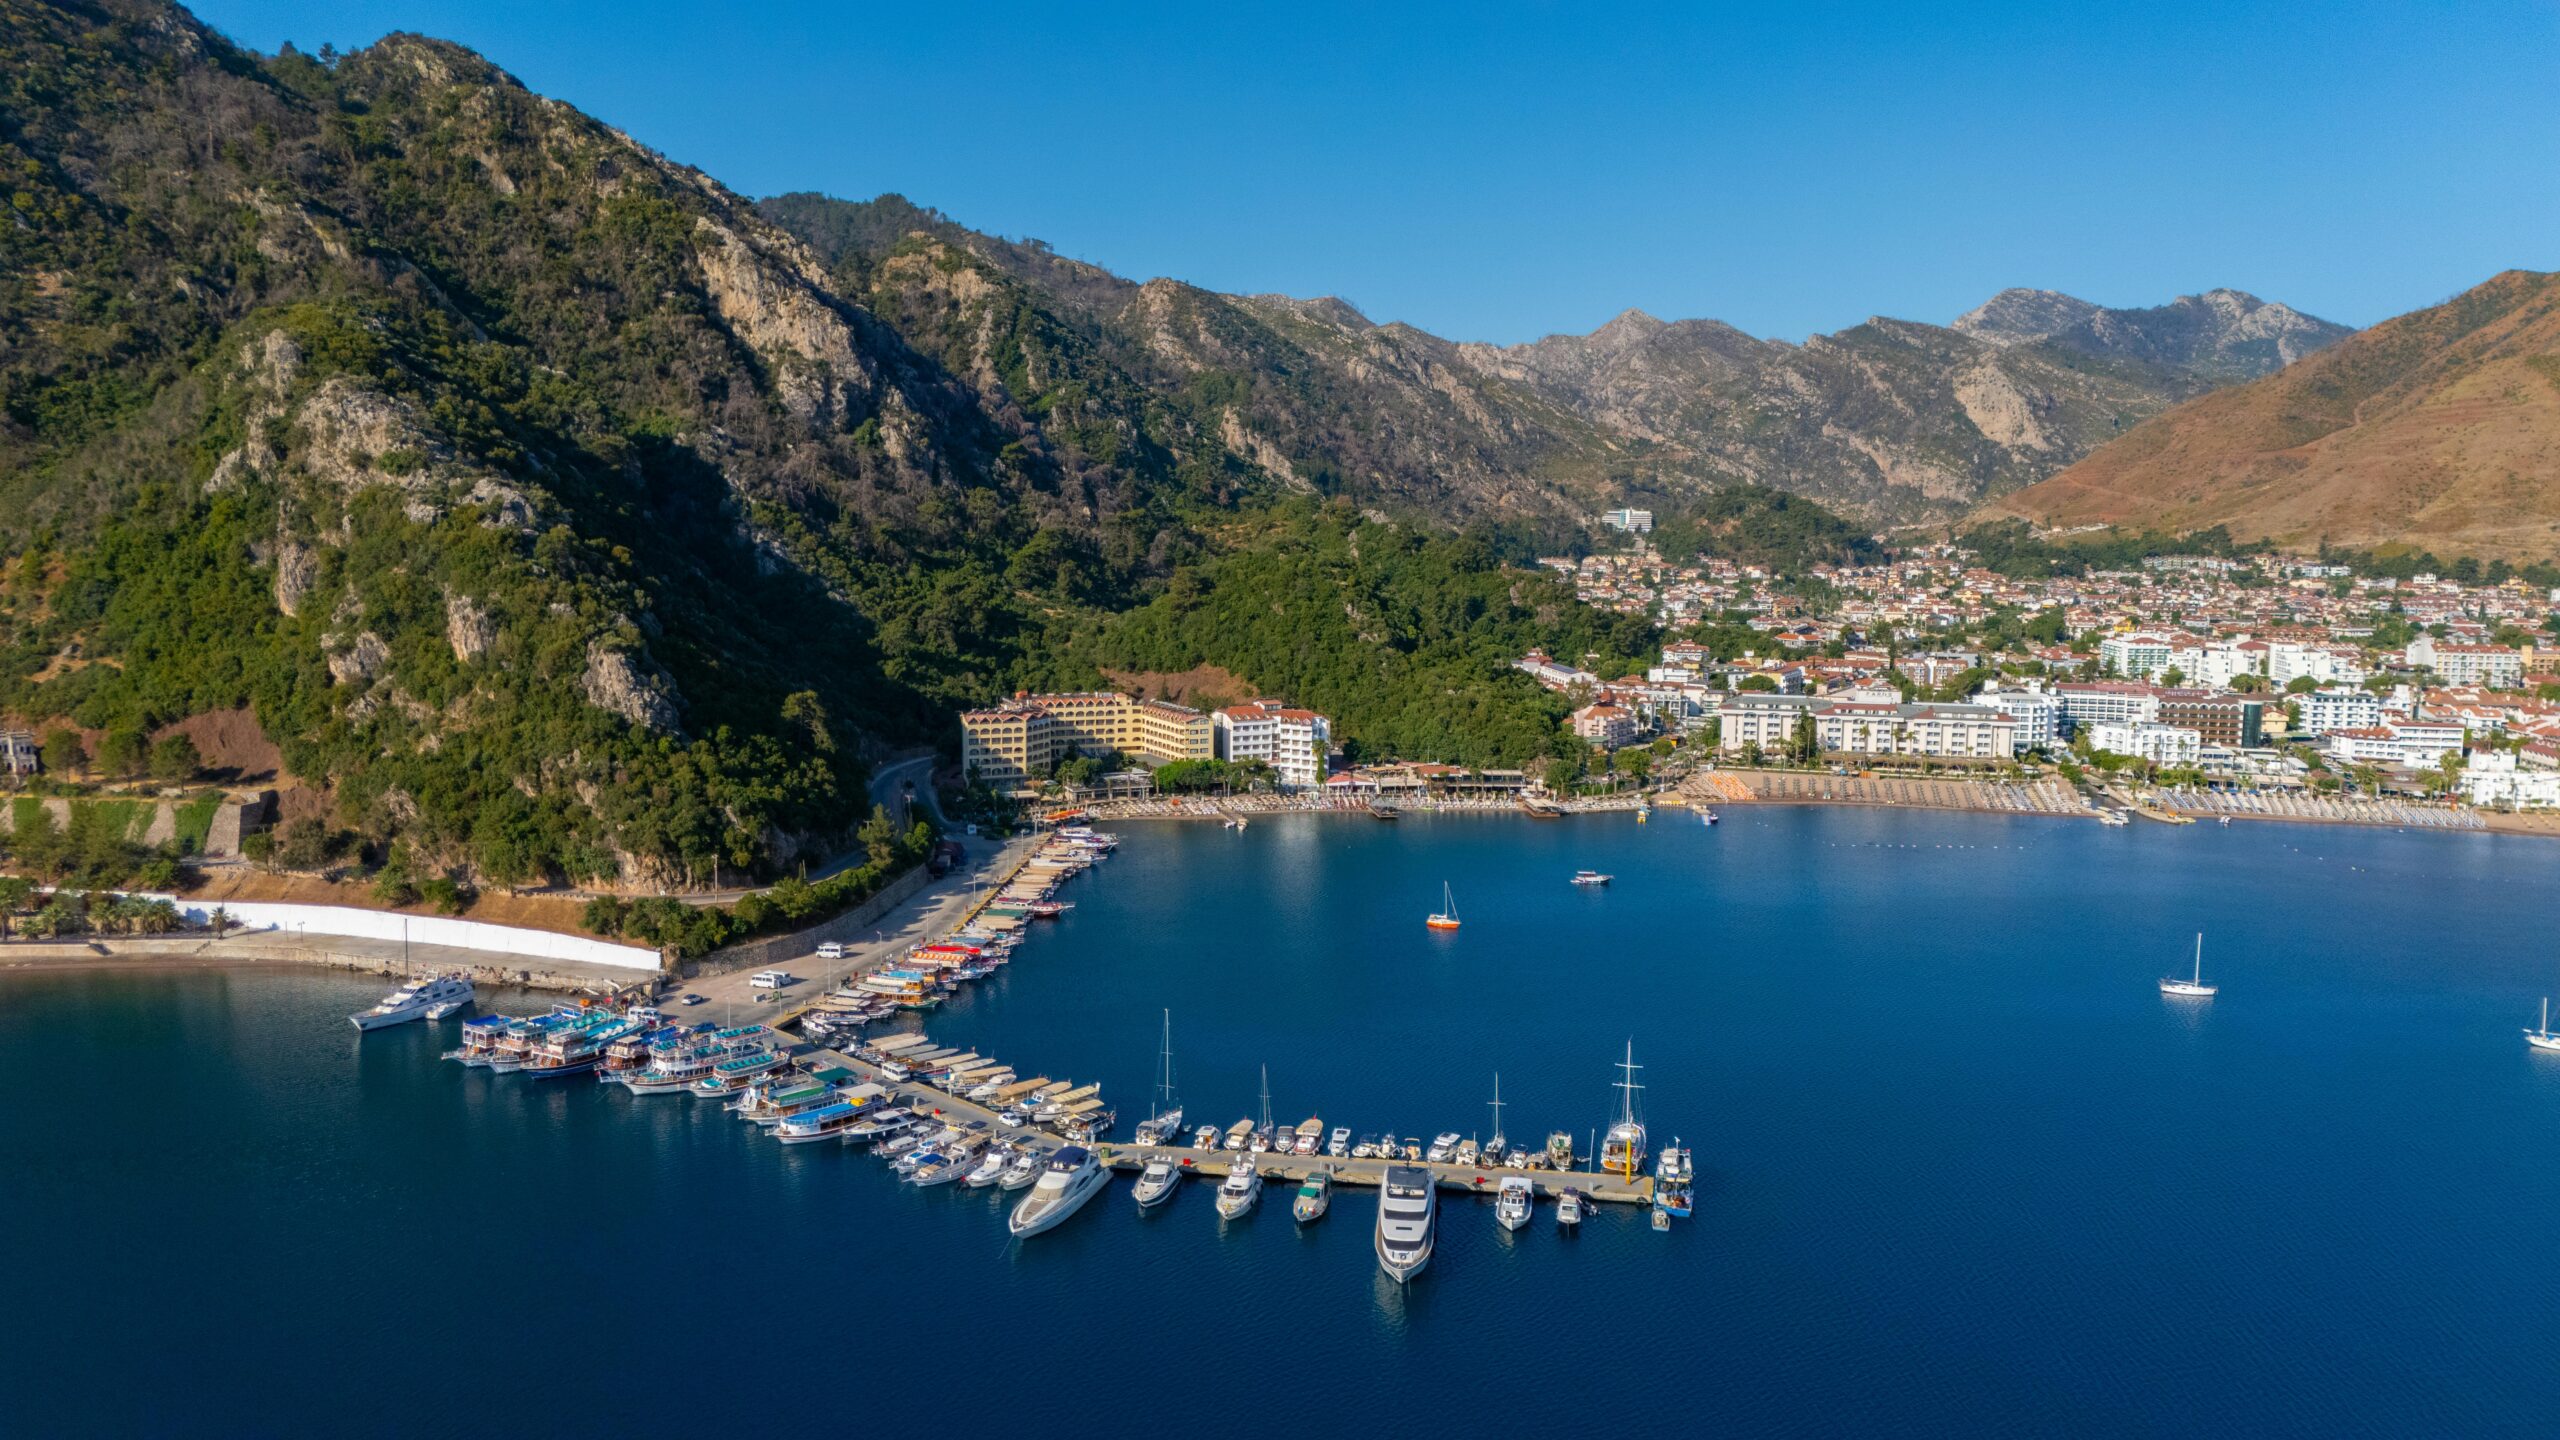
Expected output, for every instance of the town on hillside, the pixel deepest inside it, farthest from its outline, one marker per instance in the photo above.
(2182, 676)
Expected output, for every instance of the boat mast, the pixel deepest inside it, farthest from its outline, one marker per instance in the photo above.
(2199, 957)
(1164, 1061)
(1497, 1104)
(1266, 1097)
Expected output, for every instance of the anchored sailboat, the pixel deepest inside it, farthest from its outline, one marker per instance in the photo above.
(2191, 987)
(1622, 1149)
(1447, 917)
(1164, 1113)
(2543, 1039)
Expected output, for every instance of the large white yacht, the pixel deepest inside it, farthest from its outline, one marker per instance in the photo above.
(1515, 1201)
(1240, 1189)
(1408, 1214)
(1073, 1177)
(412, 1001)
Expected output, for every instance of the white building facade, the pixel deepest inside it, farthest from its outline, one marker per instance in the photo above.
(1292, 742)
(2162, 745)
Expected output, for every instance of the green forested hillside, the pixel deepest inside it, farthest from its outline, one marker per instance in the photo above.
(1406, 640)
(561, 516)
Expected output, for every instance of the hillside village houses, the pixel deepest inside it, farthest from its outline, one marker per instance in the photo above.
(2267, 655)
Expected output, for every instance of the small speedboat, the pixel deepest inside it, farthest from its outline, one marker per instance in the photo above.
(989, 1170)
(1338, 1144)
(1569, 1207)
(1022, 1169)
(1590, 879)
(1157, 1182)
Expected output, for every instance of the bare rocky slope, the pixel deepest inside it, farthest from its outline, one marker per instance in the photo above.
(1890, 420)
(2439, 429)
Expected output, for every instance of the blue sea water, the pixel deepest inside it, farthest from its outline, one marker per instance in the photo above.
(1964, 1171)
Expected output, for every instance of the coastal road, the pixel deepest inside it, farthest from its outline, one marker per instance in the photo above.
(929, 914)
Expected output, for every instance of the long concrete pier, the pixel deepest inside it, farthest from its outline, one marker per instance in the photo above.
(1477, 1179)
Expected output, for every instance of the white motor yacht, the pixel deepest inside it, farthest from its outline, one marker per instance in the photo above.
(1022, 1169)
(989, 1170)
(1408, 1217)
(1338, 1144)
(1073, 1176)
(1158, 1182)
(412, 1002)
(1513, 1204)
(1241, 1188)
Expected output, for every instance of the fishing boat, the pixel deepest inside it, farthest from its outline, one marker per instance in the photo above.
(1240, 1189)
(1513, 1203)
(1446, 917)
(1314, 1197)
(1157, 1182)
(1380, 810)
(1408, 1218)
(1569, 1207)
(731, 1076)
(1674, 1180)
(1164, 1113)
(2194, 986)
(412, 1001)
(1071, 1178)
(1468, 1151)
(1310, 1136)
(2543, 1039)
(1622, 1149)
(1590, 879)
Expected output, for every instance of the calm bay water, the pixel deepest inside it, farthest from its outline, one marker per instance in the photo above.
(1963, 1170)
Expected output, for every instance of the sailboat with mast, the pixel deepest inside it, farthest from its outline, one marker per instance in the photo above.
(1446, 918)
(2195, 986)
(1622, 1148)
(2543, 1039)
(1164, 1113)
(1496, 1143)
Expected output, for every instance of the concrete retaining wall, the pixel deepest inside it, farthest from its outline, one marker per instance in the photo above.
(773, 950)
(347, 920)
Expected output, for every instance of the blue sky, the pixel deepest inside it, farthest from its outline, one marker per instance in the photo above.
(1499, 172)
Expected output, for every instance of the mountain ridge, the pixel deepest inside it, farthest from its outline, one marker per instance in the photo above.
(2439, 428)
(1892, 420)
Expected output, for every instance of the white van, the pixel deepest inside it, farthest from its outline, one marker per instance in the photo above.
(831, 951)
(772, 979)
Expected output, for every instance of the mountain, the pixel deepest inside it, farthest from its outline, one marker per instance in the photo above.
(2440, 429)
(1890, 420)
(549, 508)
(2220, 335)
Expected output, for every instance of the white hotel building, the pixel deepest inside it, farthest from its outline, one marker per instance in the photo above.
(1855, 724)
(1292, 742)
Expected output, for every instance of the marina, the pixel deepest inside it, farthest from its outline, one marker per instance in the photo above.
(1861, 1069)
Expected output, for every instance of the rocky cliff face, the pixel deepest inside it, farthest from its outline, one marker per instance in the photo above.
(1890, 420)
(2220, 335)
